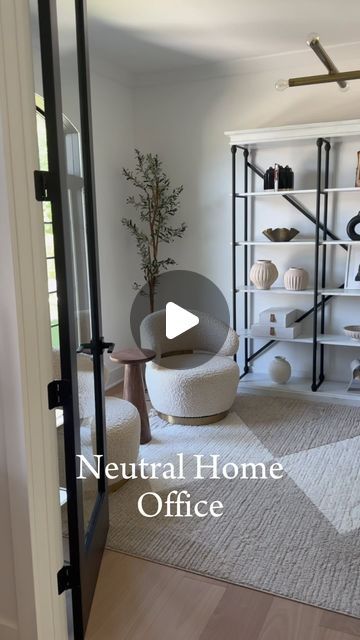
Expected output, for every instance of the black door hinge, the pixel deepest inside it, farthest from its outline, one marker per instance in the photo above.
(65, 578)
(58, 393)
(42, 186)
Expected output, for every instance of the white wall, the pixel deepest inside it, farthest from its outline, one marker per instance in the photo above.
(112, 105)
(185, 122)
(30, 533)
(10, 417)
(8, 609)
(11, 422)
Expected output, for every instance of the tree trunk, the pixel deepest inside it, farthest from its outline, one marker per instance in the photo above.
(152, 295)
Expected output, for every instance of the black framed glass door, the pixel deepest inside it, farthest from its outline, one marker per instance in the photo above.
(68, 185)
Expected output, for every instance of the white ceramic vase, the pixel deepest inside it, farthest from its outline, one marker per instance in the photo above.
(280, 370)
(263, 274)
(296, 279)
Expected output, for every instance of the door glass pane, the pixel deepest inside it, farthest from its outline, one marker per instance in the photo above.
(49, 240)
(75, 183)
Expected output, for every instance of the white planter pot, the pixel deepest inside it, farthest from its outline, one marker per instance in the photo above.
(296, 279)
(263, 274)
(280, 370)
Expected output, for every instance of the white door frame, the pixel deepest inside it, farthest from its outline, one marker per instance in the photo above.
(30, 432)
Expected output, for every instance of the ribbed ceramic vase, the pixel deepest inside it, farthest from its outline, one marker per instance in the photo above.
(263, 274)
(280, 370)
(296, 279)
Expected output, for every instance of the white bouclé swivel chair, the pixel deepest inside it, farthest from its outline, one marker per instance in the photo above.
(185, 385)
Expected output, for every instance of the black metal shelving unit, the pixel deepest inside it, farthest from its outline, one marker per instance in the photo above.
(320, 221)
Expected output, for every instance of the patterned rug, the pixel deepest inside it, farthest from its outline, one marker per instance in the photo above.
(296, 537)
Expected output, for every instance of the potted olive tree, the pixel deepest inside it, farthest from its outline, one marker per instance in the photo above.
(155, 203)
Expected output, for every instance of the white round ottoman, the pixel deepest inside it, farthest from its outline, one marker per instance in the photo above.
(195, 390)
(123, 439)
(122, 433)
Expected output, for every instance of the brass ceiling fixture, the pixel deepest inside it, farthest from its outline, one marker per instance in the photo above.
(333, 75)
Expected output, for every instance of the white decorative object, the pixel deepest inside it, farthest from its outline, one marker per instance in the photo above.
(269, 331)
(278, 316)
(353, 331)
(355, 376)
(296, 279)
(280, 370)
(122, 438)
(352, 275)
(263, 274)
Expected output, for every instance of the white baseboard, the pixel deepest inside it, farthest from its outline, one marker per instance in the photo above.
(8, 630)
(299, 388)
(116, 375)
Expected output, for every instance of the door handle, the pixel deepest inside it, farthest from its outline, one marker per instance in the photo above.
(89, 347)
(85, 347)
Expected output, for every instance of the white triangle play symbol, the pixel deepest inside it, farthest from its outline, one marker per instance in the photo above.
(178, 320)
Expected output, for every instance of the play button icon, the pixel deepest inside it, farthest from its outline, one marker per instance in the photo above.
(190, 314)
(178, 320)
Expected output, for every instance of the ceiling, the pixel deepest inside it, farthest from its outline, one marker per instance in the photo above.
(163, 35)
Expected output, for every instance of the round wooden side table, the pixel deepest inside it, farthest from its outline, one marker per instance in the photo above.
(134, 392)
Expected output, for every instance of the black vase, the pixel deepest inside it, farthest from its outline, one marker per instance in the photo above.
(350, 229)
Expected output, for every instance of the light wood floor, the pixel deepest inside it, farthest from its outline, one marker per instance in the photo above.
(140, 600)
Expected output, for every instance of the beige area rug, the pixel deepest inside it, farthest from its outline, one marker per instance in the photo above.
(297, 537)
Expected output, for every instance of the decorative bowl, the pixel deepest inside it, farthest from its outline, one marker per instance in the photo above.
(280, 235)
(353, 331)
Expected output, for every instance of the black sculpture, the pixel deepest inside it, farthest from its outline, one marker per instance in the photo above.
(350, 229)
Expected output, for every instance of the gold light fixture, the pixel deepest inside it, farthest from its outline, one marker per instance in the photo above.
(333, 75)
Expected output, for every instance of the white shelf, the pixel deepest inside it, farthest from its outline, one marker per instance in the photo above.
(337, 242)
(281, 290)
(268, 243)
(339, 292)
(284, 192)
(336, 340)
(271, 192)
(329, 391)
(301, 243)
(341, 189)
(305, 339)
